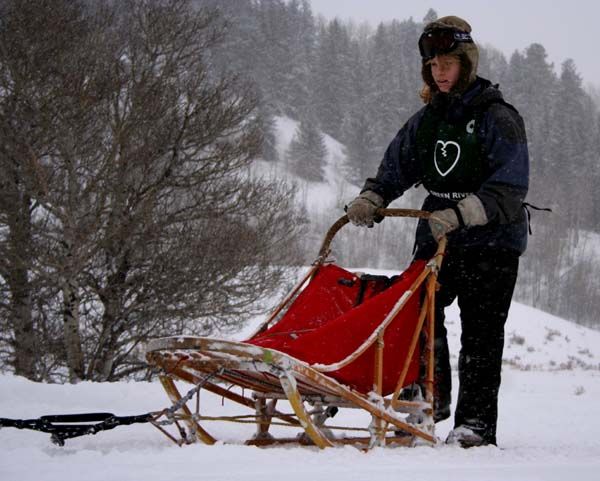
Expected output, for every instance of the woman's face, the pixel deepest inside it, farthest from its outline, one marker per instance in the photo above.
(445, 70)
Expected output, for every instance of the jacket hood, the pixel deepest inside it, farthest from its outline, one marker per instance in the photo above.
(481, 92)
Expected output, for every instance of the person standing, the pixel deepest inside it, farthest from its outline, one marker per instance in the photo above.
(468, 148)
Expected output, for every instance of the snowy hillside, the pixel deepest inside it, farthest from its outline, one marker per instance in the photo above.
(548, 428)
(327, 196)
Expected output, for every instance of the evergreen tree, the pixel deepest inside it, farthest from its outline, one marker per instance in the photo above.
(272, 54)
(576, 159)
(307, 151)
(266, 123)
(492, 65)
(357, 128)
(407, 63)
(430, 16)
(296, 91)
(332, 76)
(237, 51)
(532, 88)
(382, 91)
(358, 76)
(362, 153)
(595, 175)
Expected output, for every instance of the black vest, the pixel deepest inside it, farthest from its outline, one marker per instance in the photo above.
(451, 154)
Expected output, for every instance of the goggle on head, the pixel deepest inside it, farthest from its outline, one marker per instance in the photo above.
(441, 41)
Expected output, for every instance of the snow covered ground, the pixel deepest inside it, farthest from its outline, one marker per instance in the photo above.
(549, 427)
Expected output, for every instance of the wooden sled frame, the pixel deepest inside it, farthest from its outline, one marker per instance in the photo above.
(270, 376)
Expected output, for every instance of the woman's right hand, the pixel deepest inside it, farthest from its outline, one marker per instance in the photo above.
(362, 211)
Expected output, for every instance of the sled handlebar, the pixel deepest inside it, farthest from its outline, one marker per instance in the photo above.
(342, 221)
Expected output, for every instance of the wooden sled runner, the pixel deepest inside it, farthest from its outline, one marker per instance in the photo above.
(338, 341)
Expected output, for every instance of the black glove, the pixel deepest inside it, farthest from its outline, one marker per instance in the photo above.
(362, 210)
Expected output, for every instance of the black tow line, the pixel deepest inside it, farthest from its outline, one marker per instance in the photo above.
(66, 426)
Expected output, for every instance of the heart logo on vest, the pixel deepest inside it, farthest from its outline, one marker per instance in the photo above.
(446, 156)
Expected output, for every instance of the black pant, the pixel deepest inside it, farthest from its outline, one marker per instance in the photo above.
(483, 281)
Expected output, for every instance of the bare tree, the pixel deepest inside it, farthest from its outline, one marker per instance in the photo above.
(22, 119)
(152, 221)
(15, 248)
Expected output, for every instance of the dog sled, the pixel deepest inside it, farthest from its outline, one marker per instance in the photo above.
(338, 341)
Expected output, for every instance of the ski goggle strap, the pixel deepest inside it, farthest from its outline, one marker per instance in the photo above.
(441, 41)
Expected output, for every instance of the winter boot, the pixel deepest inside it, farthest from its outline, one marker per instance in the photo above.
(465, 437)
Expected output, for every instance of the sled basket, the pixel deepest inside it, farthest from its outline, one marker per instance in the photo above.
(340, 340)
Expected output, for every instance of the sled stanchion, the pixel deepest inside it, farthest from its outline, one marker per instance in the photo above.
(437, 261)
(288, 383)
(409, 355)
(378, 375)
(379, 426)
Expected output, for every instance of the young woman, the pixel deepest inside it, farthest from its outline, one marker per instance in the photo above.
(468, 148)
